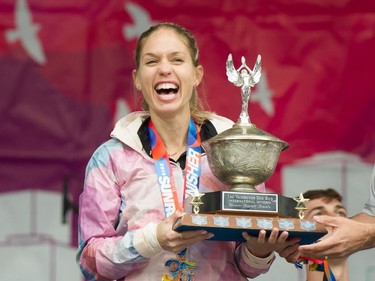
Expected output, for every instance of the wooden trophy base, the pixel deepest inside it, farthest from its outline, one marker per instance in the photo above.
(227, 214)
(230, 227)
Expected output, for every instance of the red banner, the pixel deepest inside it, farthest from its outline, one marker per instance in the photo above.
(65, 67)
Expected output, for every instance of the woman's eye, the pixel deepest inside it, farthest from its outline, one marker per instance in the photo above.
(177, 60)
(151, 62)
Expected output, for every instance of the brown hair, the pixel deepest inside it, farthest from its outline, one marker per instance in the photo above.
(196, 107)
(328, 194)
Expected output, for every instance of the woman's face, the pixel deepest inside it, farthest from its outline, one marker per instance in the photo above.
(166, 74)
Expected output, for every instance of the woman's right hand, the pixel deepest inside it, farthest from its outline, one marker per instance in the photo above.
(175, 242)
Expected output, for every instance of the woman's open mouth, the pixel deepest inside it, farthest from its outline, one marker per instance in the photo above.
(166, 88)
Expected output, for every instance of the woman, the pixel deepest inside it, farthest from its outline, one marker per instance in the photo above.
(134, 187)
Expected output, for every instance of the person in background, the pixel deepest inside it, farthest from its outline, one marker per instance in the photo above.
(327, 202)
(136, 183)
(348, 235)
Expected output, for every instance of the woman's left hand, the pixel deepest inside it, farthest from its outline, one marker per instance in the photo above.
(263, 246)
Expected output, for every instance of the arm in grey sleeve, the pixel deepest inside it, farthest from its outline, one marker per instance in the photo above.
(369, 207)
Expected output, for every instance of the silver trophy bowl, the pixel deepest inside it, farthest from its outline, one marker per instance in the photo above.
(243, 156)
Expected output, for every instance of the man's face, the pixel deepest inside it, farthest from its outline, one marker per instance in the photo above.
(322, 206)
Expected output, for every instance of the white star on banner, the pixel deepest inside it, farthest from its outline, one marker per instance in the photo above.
(263, 95)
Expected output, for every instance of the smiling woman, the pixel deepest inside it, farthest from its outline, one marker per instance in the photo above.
(137, 182)
(168, 73)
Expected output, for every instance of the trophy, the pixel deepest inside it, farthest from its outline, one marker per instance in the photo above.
(243, 157)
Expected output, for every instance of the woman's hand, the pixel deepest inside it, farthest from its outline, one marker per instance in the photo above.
(262, 246)
(173, 241)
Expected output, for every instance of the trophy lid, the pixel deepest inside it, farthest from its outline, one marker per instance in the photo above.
(247, 132)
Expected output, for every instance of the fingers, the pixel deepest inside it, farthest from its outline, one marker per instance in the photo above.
(280, 242)
(316, 250)
(283, 237)
(188, 238)
(175, 216)
(262, 237)
(173, 241)
(184, 243)
(272, 239)
(329, 220)
(289, 249)
(323, 244)
(290, 253)
(195, 236)
(263, 245)
(259, 240)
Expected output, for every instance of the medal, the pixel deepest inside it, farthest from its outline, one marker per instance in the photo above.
(180, 269)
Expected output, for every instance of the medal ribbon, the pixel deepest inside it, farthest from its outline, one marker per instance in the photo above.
(180, 269)
(318, 265)
(163, 170)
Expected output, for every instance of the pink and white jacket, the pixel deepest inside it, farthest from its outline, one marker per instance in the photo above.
(121, 196)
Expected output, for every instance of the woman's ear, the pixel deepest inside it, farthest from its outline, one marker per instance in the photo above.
(199, 75)
(135, 80)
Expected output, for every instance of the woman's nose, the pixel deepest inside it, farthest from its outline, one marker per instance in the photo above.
(165, 68)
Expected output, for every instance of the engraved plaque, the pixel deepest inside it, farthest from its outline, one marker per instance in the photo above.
(258, 202)
(248, 202)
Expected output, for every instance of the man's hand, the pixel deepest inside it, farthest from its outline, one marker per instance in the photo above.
(345, 237)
